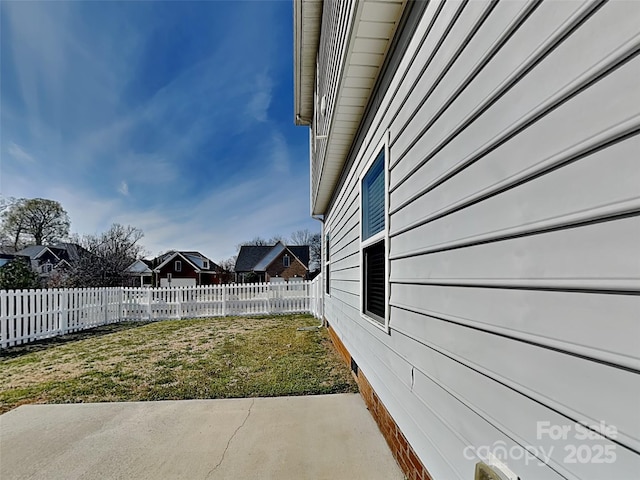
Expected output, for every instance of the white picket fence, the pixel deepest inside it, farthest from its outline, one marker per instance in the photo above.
(29, 315)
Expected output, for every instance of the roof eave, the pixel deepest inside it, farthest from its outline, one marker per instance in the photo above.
(307, 17)
(367, 12)
(176, 254)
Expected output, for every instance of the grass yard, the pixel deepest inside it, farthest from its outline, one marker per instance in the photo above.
(175, 360)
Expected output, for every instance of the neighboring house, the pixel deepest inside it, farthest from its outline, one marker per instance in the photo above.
(51, 260)
(182, 268)
(476, 168)
(140, 273)
(7, 258)
(272, 263)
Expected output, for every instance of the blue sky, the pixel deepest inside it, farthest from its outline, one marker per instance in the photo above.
(175, 117)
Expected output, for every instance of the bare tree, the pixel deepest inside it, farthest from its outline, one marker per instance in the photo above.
(13, 228)
(257, 241)
(261, 241)
(315, 252)
(301, 237)
(105, 257)
(14, 224)
(6, 202)
(277, 238)
(227, 269)
(314, 240)
(35, 220)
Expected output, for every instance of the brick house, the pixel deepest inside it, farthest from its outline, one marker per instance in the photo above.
(271, 263)
(184, 268)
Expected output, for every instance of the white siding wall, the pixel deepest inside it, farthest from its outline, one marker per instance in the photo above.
(514, 236)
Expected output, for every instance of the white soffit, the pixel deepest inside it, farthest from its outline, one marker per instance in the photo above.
(307, 18)
(374, 26)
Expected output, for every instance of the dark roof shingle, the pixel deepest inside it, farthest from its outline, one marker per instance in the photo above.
(250, 255)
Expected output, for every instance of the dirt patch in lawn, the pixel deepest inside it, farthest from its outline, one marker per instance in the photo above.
(182, 359)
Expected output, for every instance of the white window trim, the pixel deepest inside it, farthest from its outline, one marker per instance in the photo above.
(383, 235)
(286, 264)
(177, 266)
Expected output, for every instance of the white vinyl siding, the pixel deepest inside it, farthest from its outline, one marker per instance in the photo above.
(513, 226)
(177, 282)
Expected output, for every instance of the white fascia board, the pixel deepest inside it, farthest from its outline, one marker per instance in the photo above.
(59, 264)
(176, 254)
(307, 18)
(47, 249)
(145, 268)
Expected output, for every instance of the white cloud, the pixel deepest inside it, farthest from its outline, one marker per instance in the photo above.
(124, 188)
(88, 213)
(18, 153)
(227, 216)
(175, 145)
(279, 153)
(258, 106)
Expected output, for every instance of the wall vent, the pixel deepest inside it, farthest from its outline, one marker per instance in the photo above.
(493, 472)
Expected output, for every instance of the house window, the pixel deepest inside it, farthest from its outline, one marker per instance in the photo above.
(286, 261)
(205, 264)
(374, 284)
(327, 264)
(178, 266)
(46, 267)
(373, 239)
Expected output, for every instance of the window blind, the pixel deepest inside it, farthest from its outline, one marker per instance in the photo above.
(373, 205)
(374, 295)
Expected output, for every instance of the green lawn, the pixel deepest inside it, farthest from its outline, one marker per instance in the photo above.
(175, 359)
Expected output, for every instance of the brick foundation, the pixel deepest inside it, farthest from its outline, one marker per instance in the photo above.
(400, 448)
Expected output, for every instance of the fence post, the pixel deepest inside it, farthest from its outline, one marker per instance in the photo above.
(105, 304)
(4, 320)
(120, 304)
(224, 300)
(64, 309)
(149, 294)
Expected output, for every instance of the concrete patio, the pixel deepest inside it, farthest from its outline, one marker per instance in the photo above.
(313, 437)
